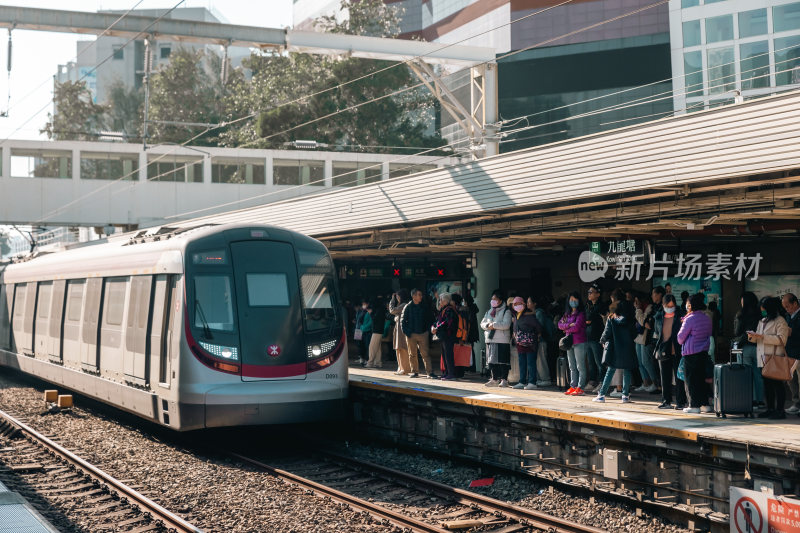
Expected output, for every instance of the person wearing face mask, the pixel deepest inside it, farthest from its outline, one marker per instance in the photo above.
(363, 344)
(770, 338)
(548, 332)
(527, 333)
(695, 340)
(445, 328)
(573, 322)
(415, 324)
(666, 324)
(496, 325)
(618, 347)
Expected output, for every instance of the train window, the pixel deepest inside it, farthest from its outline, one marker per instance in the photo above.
(43, 307)
(267, 289)
(317, 285)
(75, 300)
(115, 301)
(213, 302)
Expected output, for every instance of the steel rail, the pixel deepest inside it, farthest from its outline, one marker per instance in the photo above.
(525, 516)
(398, 519)
(144, 503)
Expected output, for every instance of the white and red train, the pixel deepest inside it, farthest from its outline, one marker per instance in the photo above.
(207, 327)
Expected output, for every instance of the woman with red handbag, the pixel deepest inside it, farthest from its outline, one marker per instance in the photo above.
(527, 331)
(776, 367)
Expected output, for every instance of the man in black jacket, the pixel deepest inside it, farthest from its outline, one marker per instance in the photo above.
(595, 323)
(792, 307)
(416, 324)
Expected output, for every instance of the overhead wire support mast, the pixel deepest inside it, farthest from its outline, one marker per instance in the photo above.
(4, 113)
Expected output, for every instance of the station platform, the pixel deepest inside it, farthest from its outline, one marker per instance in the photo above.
(641, 415)
(18, 516)
(675, 463)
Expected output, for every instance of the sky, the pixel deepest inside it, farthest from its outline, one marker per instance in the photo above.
(36, 55)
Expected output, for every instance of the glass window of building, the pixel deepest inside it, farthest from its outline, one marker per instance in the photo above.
(119, 52)
(752, 23)
(109, 166)
(41, 163)
(719, 29)
(350, 173)
(787, 60)
(693, 68)
(690, 3)
(186, 169)
(713, 1)
(721, 70)
(691, 33)
(786, 17)
(241, 171)
(754, 64)
(397, 170)
(298, 172)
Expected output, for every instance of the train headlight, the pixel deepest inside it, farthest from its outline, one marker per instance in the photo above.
(316, 351)
(225, 352)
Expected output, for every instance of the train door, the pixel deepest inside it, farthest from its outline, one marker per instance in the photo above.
(28, 319)
(89, 329)
(72, 349)
(158, 328)
(269, 306)
(18, 319)
(135, 363)
(5, 316)
(43, 318)
(54, 343)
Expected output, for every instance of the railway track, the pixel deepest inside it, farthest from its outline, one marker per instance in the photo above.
(409, 502)
(67, 489)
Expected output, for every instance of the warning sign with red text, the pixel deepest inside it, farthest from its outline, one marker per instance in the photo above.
(759, 512)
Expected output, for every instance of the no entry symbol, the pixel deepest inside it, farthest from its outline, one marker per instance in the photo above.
(747, 516)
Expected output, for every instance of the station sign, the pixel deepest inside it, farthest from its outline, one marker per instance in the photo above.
(760, 512)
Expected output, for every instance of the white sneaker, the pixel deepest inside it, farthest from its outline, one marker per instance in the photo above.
(626, 399)
(706, 409)
(503, 383)
(531, 386)
(491, 383)
(651, 388)
(616, 394)
(692, 410)
(544, 383)
(519, 386)
(600, 399)
(793, 410)
(640, 389)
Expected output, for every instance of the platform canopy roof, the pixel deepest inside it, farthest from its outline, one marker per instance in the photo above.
(712, 172)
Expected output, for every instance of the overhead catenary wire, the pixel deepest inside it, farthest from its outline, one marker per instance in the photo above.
(251, 115)
(246, 117)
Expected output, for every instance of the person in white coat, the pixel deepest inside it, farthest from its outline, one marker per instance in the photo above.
(496, 325)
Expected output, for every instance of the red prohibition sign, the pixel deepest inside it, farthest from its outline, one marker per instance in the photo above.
(748, 520)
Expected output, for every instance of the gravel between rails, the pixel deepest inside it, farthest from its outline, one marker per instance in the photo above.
(519, 491)
(208, 491)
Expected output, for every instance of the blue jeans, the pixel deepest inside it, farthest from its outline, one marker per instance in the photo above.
(647, 367)
(594, 353)
(626, 381)
(577, 365)
(749, 358)
(527, 368)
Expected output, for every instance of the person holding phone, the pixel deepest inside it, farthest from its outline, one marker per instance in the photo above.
(770, 339)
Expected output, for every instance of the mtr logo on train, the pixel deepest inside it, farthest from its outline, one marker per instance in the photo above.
(591, 266)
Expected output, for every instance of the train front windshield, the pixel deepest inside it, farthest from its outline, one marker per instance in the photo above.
(320, 311)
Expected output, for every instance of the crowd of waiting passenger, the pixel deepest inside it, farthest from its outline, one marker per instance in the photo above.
(667, 346)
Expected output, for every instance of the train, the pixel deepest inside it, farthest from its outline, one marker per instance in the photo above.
(191, 328)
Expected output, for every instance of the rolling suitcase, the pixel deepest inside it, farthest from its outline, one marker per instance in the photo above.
(733, 389)
(562, 373)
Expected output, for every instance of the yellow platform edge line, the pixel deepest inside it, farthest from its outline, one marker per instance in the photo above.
(535, 411)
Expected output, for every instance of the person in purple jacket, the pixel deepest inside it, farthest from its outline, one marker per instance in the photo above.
(574, 323)
(695, 340)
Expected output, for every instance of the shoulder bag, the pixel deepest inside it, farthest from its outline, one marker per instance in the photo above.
(778, 367)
